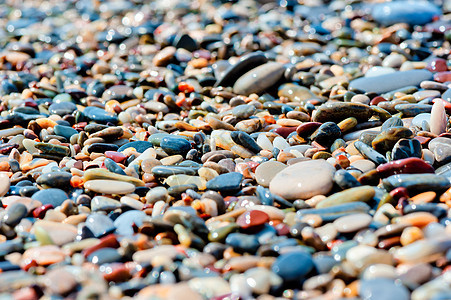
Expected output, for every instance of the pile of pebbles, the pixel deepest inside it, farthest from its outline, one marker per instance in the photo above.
(225, 150)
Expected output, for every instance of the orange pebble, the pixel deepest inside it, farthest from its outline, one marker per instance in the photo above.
(410, 235)
(46, 123)
(343, 161)
(185, 87)
(425, 197)
(4, 166)
(269, 119)
(419, 219)
(76, 181)
(352, 289)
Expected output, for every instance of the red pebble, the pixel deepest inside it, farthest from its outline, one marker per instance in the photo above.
(399, 193)
(442, 76)
(411, 165)
(30, 103)
(284, 131)
(29, 264)
(282, 229)
(116, 272)
(422, 139)
(252, 219)
(80, 126)
(306, 129)
(108, 241)
(253, 165)
(116, 156)
(377, 100)
(41, 211)
(437, 65)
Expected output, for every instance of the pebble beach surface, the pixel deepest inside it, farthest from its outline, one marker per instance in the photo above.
(225, 150)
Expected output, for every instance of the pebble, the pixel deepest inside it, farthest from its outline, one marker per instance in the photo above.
(308, 179)
(225, 149)
(259, 79)
(266, 171)
(109, 186)
(390, 82)
(356, 194)
(54, 197)
(382, 288)
(352, 223)
(410, 12)
(293, 266)
(225, 183)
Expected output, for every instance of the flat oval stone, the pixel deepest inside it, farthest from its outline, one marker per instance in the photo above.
(62, 108)
(259, 79)
(55, 197)
(109, 186)
(332, 213)
(58, 233)
(64, 131)
(410, 165)
(389, 82)
(104, 203)
(266, 171)
(140, 146)
(361, 194)
(102, 147)
(352, 223)
(166, 171)
(411, 110)
(417, 183)
(293, 266)
(410, 12)
(245, 63)
(295, 93)
(99, 115)
(243, 242)
(104, 256)
(175, 145)
(252, 219)
(303, 180)
(60, 180)
(243, 111)
(98, 173)
(226, 183)
(14, 214)
(338, 111)
(45, 255)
